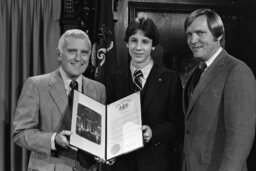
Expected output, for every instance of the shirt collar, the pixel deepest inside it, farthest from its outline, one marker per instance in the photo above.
(67, 81)
(145, 70)
(214, 56)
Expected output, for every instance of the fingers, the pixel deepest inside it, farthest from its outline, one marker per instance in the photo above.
(62, 139)
(144, 127)
(109, 162)
(147, 133)
(66, 133)
(73, 148)
(100, 160)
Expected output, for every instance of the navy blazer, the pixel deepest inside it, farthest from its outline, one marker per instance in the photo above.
(161, 110)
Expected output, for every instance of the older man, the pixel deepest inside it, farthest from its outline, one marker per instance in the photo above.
(43, 115)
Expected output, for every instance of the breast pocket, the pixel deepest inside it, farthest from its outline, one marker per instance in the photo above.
(213, 92)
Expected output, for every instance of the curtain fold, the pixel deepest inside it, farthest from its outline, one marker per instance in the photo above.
(3, 104)
(29, 33)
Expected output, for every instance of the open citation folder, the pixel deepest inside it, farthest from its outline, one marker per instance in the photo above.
(106, 131)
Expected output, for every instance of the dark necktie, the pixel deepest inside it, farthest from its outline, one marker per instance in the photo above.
(137, 80)
(74, 86)
(66, 121)
(194, 79)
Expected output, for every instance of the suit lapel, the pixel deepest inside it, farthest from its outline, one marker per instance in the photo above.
(185, 79)
(58, 92)
(206, 78)
(89, 89)
(153, 83)
(152, 86)
(85, 87)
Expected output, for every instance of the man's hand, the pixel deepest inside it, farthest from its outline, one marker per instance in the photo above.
(62, 139)
(147, 133)
(108, 162)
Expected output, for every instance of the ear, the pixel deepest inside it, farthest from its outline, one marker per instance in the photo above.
(59, 54)
(127, 45)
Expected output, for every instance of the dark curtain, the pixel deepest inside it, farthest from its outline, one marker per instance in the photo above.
(104, 48)
(29, 32)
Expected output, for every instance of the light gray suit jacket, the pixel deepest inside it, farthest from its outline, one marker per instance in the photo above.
(41, 107)
(220, 119)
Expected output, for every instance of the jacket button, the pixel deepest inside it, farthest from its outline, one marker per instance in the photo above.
(187, 131)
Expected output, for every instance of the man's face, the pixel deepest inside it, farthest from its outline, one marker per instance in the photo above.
(200, 39)
(75, 56)
(139, 49)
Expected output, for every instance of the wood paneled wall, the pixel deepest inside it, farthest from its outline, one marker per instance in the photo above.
(240, 36)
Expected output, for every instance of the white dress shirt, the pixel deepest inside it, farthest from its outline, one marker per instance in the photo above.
(145, 71)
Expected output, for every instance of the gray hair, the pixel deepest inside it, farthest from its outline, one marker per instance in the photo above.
(76, 33)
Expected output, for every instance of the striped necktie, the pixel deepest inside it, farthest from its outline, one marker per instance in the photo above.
(137, 80)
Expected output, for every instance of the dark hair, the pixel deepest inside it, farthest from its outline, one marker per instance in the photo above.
(214, 22)
(146, 25)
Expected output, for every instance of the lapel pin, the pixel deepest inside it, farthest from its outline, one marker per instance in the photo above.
(160, 79)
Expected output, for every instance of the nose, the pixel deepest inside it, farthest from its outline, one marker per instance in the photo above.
(138, 46)
(78, 56)
(193, 38)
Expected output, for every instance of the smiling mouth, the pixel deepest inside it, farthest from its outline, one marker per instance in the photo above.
(138, 54)
(196, 48)
(77, 64)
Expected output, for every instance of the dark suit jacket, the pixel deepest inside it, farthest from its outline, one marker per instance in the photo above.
(161, 108)
(220, 119)
(39, 113)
